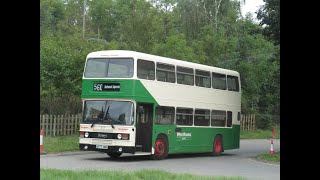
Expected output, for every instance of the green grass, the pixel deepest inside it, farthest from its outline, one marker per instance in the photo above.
(60, 143)
(258, 134)
(270, 157)
(123, 175)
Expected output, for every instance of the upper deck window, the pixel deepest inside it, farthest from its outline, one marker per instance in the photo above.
(109, 67)
(145, 69)
(185, 75)
(233, 83)
(203, 78)
(219, 81)
(166, 73)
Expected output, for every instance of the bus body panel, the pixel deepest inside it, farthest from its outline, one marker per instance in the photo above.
(129, 89)
(191, 138)
(198, 139)
(201, 139)
(178, 95)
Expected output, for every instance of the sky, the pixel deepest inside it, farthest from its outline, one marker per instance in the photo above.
(251, 6)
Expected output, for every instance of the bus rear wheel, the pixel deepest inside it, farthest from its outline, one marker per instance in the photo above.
(114, 154)
(161, 148)
(217, 146)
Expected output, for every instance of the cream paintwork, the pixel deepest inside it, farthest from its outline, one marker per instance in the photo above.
(108, 142)
(177, 95)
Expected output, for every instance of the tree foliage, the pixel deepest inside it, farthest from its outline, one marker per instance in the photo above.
(211, 32)
(269, 14)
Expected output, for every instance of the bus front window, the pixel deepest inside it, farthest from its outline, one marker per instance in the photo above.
(108, 112)
(106, 67)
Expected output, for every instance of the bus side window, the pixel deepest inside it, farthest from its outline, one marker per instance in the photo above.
(218, 118)
(146, 69)
(184, 116)
(219, 81)
(229, 119)
(203, 78)
(202, 117)
(166, 73)
(164, 115)
(185, 75)
(233, 83)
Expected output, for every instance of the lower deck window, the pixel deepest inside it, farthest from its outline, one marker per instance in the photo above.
(229, 119)
(184, 116)
(218, 118)
(164, 115)
(202, 117)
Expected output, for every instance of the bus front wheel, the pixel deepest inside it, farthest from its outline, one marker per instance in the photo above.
(217, 146)
(161, 148)
(114, 154)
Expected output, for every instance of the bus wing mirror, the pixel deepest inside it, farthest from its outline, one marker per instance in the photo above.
(140, 109)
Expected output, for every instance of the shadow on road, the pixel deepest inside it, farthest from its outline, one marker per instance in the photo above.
(135, 158)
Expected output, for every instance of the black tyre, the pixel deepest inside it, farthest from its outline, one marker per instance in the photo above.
(217, 146)
(114, 154)
(161, 148)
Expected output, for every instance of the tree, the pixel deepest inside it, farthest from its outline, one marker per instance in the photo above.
(137, 28)
(210, 32)
(175, 47)
(165, 19)
(269, 14)
(102, 18)
(51, 12)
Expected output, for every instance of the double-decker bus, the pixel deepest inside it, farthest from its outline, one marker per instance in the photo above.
(145, 104)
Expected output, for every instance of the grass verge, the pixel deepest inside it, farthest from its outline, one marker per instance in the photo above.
(258, 134)
(124, 175)
(270, 157)
(60, 143)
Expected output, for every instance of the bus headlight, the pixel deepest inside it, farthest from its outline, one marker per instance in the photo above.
(86, 134)
(119, 136)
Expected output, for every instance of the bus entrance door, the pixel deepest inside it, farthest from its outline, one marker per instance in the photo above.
(144, 127)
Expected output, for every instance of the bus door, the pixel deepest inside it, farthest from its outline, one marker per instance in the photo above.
(144, 127)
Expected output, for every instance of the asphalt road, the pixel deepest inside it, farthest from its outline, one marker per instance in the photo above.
(238, 162)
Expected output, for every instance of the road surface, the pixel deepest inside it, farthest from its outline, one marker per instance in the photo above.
(238, 162)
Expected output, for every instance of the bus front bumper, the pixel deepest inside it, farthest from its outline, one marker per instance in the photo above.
(105, 149)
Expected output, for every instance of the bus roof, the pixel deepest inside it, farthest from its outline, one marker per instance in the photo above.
(160, 59)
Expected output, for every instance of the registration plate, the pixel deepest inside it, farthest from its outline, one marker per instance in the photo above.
(101, 147)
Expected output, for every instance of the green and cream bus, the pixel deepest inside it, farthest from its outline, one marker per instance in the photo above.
(145, 104)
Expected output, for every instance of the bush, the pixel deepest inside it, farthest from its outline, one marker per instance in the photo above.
(264, 121)
(60, 105)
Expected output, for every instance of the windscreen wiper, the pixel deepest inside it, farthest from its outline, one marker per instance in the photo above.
(108, 117)
(98, 119)
(112, 123)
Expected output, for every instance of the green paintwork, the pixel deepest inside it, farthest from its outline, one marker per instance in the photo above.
(201, 139)
(129, 89)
